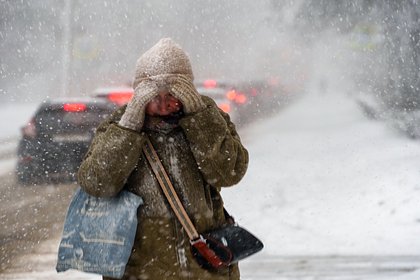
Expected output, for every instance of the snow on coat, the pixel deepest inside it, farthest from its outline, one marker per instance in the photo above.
(201, 155)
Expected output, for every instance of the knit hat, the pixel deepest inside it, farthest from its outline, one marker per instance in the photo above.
(164, 58)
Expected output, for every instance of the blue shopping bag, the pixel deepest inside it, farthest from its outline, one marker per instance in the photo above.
(99, 233)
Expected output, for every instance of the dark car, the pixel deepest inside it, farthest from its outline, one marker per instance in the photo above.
(56, 138)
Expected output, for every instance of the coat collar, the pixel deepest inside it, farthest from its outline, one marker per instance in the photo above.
(162, 124)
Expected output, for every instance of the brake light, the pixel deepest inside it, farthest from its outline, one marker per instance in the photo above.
(74, 107)
(29, 130)
(25, 159)
(236, 96)
(231, 94)
(225, 107)
(241, 98)
(120, 98)
(210, 83)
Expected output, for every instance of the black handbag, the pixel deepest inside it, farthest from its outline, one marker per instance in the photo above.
(213, 250)
(230, 243)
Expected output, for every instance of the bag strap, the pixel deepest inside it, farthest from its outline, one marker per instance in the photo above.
(169, 191)
(196, 240)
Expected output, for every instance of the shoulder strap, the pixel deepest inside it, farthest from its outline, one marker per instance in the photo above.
(169, 191)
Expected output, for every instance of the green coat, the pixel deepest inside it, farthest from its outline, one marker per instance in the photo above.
(201, 154)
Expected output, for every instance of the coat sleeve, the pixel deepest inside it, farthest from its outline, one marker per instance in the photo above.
(216, 145)
(111, 158)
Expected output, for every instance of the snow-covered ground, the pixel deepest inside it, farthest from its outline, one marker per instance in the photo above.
(14, 116)
(323, 180)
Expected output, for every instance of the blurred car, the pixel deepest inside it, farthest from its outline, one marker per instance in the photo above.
(264, 97)
(118, 96)
(56, 138)
(226, 96)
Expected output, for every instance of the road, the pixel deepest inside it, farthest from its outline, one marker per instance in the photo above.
(31, 222)
(29, 215)
(328, 267)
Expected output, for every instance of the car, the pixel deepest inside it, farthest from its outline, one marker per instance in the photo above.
(226, 95)
(54, 141)
(118, 96)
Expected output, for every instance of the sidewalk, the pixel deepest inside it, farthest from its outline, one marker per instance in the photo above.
(40, 265)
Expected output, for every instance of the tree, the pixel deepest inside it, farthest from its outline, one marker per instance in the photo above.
(402, 29)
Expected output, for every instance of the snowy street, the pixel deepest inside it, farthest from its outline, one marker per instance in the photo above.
(258, 268)
(330, 267)
(332, 194)
(324, 95)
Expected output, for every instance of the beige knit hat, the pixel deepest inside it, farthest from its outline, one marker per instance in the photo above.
(165, 58)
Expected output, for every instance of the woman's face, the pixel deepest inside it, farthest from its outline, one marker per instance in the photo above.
(163, 104)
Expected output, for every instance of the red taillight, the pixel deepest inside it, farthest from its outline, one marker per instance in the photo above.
(231, 94)
(225, 107)
(25, 159)
(29, 130)
(120, 98)
(241, 98)
(236, 96)
(74, 107)
(210, 83)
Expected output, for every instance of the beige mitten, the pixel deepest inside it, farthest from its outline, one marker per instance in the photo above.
(183, 89)
(133, 117)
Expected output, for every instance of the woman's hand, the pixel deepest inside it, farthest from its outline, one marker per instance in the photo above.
(133, 117)
(183, 89)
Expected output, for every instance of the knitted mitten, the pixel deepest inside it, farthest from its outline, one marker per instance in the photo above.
(183, 89)
(133, 117)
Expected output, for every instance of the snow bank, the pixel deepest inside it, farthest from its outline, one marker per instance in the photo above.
(324, 180)
(407, 276)
(410, 276)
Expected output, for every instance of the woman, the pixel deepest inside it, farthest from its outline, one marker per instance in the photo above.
(198, 147)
